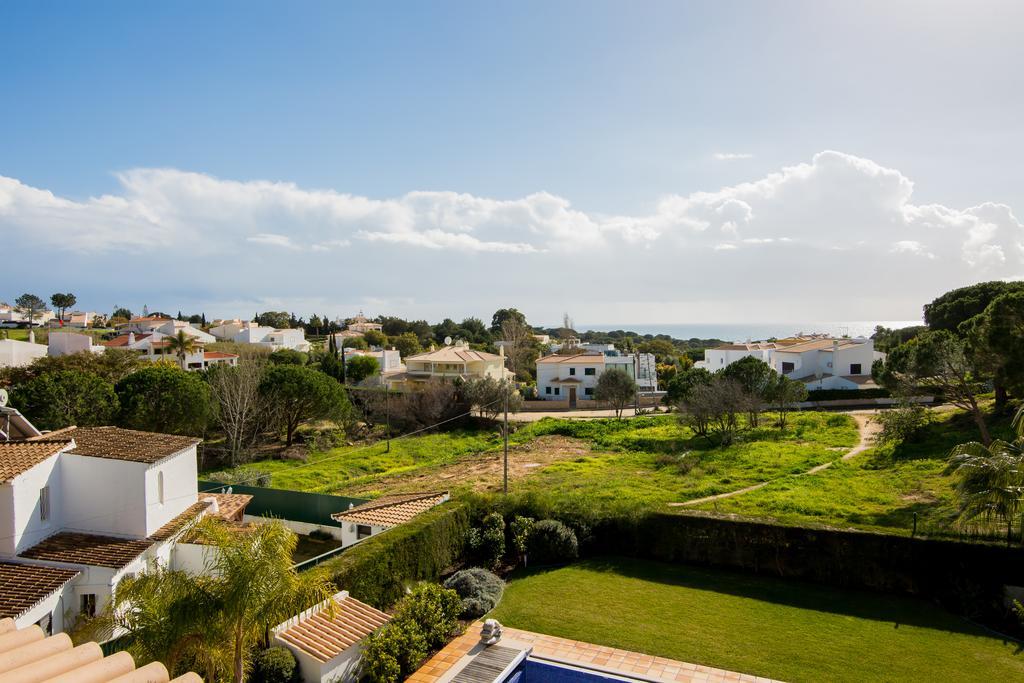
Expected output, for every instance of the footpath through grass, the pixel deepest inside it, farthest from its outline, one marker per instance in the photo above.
(786, 630)
(881, 489)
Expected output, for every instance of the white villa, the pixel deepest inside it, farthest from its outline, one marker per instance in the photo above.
(16, 354)
(66, 343)
(574, 377)
(245, 332)
(389, 360)
(449, 363)
(10, 314)
(82, 508)
(819, 362)
(156, 346)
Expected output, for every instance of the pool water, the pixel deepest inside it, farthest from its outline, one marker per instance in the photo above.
(534, 671)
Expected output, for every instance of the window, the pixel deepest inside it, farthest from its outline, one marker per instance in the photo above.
(44, 503)
(721, 361)
(588, 391)
(363, 531)
(547, 390)
(855, 369)
(88, 605)
(160, 487)
(589, 371)
(557, 391)
(787, 367)
(572, 371)
(830, 364)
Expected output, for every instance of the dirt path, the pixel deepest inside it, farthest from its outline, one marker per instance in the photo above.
(867, 429)
(482, 471)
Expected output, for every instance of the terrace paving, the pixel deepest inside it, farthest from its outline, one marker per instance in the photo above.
(611, 660)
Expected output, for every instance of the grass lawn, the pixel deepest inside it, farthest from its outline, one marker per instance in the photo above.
(787, 630)
(880, 489)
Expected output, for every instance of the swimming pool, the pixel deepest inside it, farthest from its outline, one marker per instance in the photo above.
(535, 671)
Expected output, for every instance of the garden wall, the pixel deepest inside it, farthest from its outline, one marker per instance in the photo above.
(297, 506)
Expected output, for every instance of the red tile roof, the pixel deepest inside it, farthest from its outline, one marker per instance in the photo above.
(191, 514)
(219, 354)
(89, 549)
(389, 511)
(115, 443)
(23, 586)
(230, 506)
(323, 636)
(18, 457)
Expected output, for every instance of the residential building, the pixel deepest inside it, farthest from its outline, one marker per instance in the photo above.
(389, 360)
(386, 512)
(11, 314)
(362, 325)
(31, 653)
(818, 361)
(252, 333)
(328, 643)
(67, 343)
(17, 354)
(574, 377)
(156, 346)
(75, 319)
(449, 363)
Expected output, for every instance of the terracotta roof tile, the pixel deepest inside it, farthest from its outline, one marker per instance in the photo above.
(192, 513)
(18, 457)
(89, 549)
(452, 354)
(23, 586)
(389, 511)
(115, 443)
(219, 354)
(575, 358)
(324, 637)
(230, 506)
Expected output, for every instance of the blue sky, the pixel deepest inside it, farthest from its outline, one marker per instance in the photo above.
(622, 161)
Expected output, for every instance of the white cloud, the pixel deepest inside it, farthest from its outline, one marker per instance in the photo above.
(731, 156)
(836, 217)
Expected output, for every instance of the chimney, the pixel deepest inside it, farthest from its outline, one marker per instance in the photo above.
(131, 338)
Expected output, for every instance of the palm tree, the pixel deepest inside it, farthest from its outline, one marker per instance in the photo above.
(213, 621)
(182, 345)
(991, 477)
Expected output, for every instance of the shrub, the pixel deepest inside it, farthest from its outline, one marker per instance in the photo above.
(552, 542)
(521, 528)
(902, 423)
(274, 665)
(288, 357)
(479, 589)
(377, 569)
(487, 544)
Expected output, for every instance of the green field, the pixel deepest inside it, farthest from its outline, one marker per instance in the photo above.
(769, 627)
(880, 489)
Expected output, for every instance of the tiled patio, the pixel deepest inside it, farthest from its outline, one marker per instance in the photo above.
(606, 659)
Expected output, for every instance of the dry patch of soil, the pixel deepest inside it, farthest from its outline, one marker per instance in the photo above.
(482, 471)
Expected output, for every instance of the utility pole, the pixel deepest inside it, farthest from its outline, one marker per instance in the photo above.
(387, 414)
(506, 390)
(636, 383)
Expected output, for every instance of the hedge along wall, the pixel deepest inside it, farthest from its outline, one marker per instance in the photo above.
(377, 570)
(966, 577)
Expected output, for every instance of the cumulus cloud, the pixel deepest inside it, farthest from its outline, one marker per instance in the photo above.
(836, 217)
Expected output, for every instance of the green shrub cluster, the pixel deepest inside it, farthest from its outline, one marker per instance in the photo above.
(479, 589)
(275, 665)
(841, 394)
(423, 621)
(552, 542)
(378, 569)
(487, 543)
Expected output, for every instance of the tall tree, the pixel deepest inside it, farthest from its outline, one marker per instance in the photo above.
(163, 398)
(617, 388)
(299, 393)
(503, 314)
(520, 347)
(64, 398)
(62, 302)
(240, 410)
(756, 378)
(951, 309)
(30, 306)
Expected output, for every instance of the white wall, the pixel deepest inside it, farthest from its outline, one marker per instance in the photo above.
(181, 488)
(66, 343)
(16, 354)
(104, 496)
(22, 499)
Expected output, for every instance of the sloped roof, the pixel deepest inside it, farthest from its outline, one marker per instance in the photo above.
(575, 358)
(229, 505)
(23, 586)
(819, 345)
(454, 354)
(191, 514)
(121, 340)
(18, 457)
(38, 657)
(89, 549)
(115, 443)
(389, 511)
(324, 636)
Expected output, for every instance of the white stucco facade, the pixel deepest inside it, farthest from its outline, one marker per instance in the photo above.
(574, 377)
(17, 354)
(67, 343)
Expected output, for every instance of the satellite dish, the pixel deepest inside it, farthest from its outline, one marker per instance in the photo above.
(447, 341)
(3, 398)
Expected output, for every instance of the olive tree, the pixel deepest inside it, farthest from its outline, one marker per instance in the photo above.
(617, 388)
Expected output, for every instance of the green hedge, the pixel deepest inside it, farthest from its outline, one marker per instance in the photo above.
(378, 569)
(840, 394)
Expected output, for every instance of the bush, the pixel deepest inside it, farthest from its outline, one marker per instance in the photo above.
(479, 589)
(274, 665)
(377, 569)
(552, 542)
(487, 544)
(902, 423)
(288, 357)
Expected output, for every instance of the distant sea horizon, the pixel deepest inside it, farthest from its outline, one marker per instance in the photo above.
(750, 331)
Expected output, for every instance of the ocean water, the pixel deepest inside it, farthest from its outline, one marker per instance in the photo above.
(752, 331)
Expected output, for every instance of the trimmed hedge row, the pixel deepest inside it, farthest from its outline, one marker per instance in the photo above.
(378, 569)
(842, 394)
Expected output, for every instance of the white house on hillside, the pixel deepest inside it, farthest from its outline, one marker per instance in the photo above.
(449, 362)
(251, 333)
(11, 314)
(156, 346)
(66, 343)
(388, 360)
(574, 377)
(80, 509)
